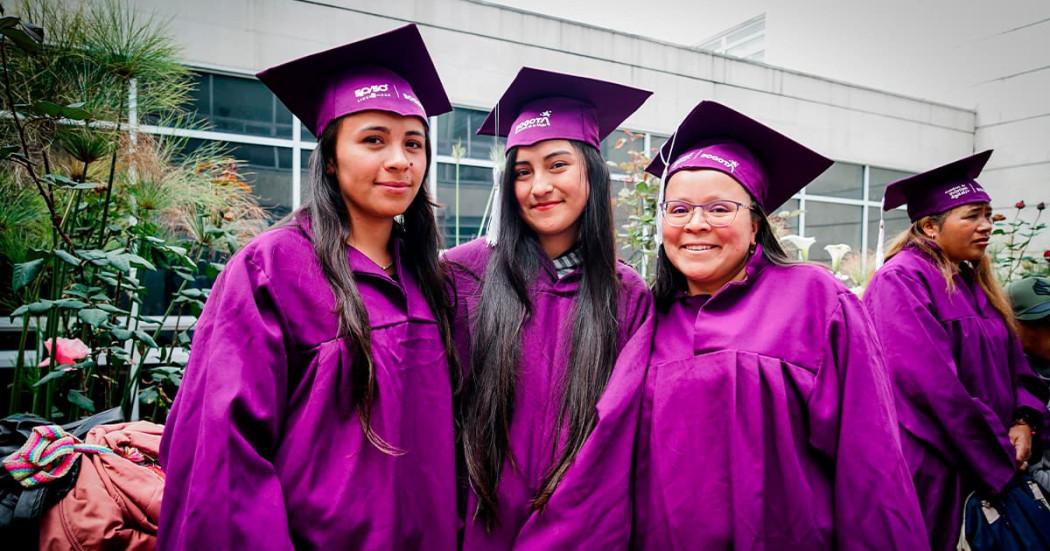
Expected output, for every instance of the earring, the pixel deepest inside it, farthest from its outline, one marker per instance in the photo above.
(751, 249)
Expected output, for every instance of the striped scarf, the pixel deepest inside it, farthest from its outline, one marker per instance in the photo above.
(47, 455)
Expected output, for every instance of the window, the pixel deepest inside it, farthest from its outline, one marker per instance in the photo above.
(830, 224)
(460, 127)
(267, 169)
(746, 40)
(617, 148)
(844, 180)
(896, 221)
(474, 190)
(240, 105)
(881, 177)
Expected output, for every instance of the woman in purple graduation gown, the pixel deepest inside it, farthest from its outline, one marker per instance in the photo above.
(316, 411)
(768, 421)
(965, 393)
(556, 331)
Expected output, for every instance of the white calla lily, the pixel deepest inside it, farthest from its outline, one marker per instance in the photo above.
(801, 243)
(837, 253)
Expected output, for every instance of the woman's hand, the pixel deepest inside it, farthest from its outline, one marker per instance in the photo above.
(1021, 438)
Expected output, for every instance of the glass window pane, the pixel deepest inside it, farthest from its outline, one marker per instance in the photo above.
(240, 105)
(896, 222)
(841, 180)
(785, 220)
(267, 169)
(618, 146)
(475, 185)
(459, 128)
(305, 134)
(831, 224)
(878, 178)
(304, 175)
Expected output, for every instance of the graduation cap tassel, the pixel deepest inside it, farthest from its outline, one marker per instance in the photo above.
(663, 184)
(494, 198)
(880, 245)
(494, 209)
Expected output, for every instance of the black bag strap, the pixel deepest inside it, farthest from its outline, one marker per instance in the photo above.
(82, 427)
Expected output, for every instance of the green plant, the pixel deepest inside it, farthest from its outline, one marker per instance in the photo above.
(96, 205)
(1010, 255)
(637, 200)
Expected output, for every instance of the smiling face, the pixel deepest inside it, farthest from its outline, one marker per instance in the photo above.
(380, 161)
(964, 231)
(550, 184)
(708, 256)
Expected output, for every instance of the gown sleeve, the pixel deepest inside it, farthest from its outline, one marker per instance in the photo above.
(853, 423)
(591, 507)
(932, 402)
(222, 491)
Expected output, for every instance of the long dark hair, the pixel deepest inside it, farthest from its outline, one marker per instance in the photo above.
(669, 281)
(331, 227)
(496, 341)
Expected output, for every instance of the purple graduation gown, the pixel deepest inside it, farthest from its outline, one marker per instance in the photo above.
(768, 423)
(263, 448)
(959, 375)
(591, 508)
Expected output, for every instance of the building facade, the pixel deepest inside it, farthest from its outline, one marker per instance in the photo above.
(874, 136)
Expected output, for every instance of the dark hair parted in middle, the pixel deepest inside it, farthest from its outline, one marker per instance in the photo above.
(488, 404)
(418, 232)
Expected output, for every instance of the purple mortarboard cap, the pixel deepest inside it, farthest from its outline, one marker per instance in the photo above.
(770, 165)
(388, 72)
(941, 189)
(543, 105)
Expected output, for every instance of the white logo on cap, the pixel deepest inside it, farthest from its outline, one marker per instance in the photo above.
(728, 163)
(371, 92)
(412, 99)
(958, 191)
(536, 122)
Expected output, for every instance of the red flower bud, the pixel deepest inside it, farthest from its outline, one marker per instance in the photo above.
(1019, 204)
(1040, 206)
(1046, 255)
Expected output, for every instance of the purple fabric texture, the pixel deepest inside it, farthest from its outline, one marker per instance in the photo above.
(543, 105)
(388, 72)
(768, 423)
(940, 189)
(770, 165)
(264, 449)
(959, 375)
(591, 508)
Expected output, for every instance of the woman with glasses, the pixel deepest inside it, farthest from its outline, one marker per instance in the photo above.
(768, 419)
(967, 398)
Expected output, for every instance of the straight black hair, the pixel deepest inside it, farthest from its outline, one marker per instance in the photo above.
(420, 240)
(488, 404)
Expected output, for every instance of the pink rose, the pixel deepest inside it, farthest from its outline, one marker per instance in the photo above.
(67, 351)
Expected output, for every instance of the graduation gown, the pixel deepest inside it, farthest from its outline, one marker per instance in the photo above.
(960, 376)
(590, 509)
(768, 423)
(263, 447)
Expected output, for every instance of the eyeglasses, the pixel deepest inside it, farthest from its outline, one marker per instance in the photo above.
(716, 213)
